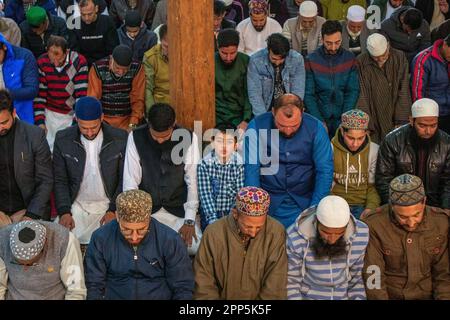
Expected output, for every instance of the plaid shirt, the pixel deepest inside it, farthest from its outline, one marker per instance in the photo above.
(218, 185)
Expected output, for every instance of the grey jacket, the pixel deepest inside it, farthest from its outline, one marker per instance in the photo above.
(69, 158)
(412, 44)
(119, 8)
(365, 33)
(295, 36)
(160, 16)
(33, 169)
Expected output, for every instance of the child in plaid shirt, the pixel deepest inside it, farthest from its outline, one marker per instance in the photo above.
(220, 176)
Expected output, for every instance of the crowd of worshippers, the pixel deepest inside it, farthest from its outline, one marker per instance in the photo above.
(93, 204)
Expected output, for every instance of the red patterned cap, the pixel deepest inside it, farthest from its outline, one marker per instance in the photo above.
(252, 201)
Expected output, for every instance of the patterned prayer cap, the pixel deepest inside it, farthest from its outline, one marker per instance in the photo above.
(258, 6)
(355, 119)
(134, 206)
(27, 239)
(252, 201)
(406, 190)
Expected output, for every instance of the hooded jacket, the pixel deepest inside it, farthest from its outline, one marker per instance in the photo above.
(412, 43)
(20, 74)
(354, 174)
(145, 40)
(326, 279)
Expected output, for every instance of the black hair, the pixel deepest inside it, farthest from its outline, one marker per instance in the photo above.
(278, 44)
(84, 3)
(161, 117)
(219, 7)
(57, 41)
(225, 129)
(331, 27)
(227, 37)
(6, 101)
(163, 31)
(413, 18)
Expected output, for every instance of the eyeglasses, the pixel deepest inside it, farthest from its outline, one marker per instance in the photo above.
(128, 233)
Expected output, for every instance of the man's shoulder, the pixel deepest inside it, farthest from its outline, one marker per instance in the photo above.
(377, 217)
(439, 216)
(68, 133)
(274, 227)
(31, 130)
(115, 133)
(243, 24)
(397, 136)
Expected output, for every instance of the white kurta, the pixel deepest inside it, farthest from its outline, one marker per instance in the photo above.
(251, 40)
(91, 202)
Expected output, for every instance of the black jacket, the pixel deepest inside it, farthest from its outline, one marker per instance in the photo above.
(69, 158)
(427, 8)
(34, 42)
(33, 169)
(397, 156)
(96, 40)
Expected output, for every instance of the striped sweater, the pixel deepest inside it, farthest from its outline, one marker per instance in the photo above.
(58, 91)
(325, 279)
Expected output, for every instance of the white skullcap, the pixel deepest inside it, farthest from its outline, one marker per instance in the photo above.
(333, 212)
(356, 13)
(308, 9)
(377, 44)
(228, 2)
(425, 108)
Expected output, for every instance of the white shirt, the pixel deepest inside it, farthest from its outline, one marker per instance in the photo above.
(92, 189)
(389, 10)
(251, 40)
(132, 173)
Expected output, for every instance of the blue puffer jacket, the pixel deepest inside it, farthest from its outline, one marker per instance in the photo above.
(14, 9)
(21, 77)
(261, 77)
(332, 84)
(159, 269)
(430, 77)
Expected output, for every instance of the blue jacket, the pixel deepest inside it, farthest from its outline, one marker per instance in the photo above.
(14, 9)
(332, 84)
(160, 269)
(21, 77)
(302, 169)
(430, 74)
(260, 79)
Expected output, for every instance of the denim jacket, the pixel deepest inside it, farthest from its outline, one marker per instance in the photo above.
(261, 76)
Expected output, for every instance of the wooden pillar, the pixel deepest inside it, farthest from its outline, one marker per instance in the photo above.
(191, 66)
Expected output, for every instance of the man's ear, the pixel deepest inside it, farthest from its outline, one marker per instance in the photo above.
(411, 121)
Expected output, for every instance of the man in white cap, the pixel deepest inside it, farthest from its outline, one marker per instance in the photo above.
(303, 31)
(255, 29)
(431, 78)
(418, 148)
(355, 31)
(40, 261)
(384, 86)
(407, 255)
(326, 248)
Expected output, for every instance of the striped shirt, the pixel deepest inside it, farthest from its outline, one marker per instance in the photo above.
(59, 90)
(338, 278)
(218, 185)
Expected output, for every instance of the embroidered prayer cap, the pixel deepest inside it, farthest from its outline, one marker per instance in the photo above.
(134, 206)
(308, 9)
(252, 201)
(406, 190)
(27, 239)
(88, 108)
(36, 16)
(258, 6)
(355, 119)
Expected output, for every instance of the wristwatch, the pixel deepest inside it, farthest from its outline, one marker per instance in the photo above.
(132, 125)
(189, 222)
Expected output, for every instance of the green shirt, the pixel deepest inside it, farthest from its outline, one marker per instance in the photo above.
(232, 104)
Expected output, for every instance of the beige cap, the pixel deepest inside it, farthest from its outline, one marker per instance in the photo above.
(308, 9)
(377, 44)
